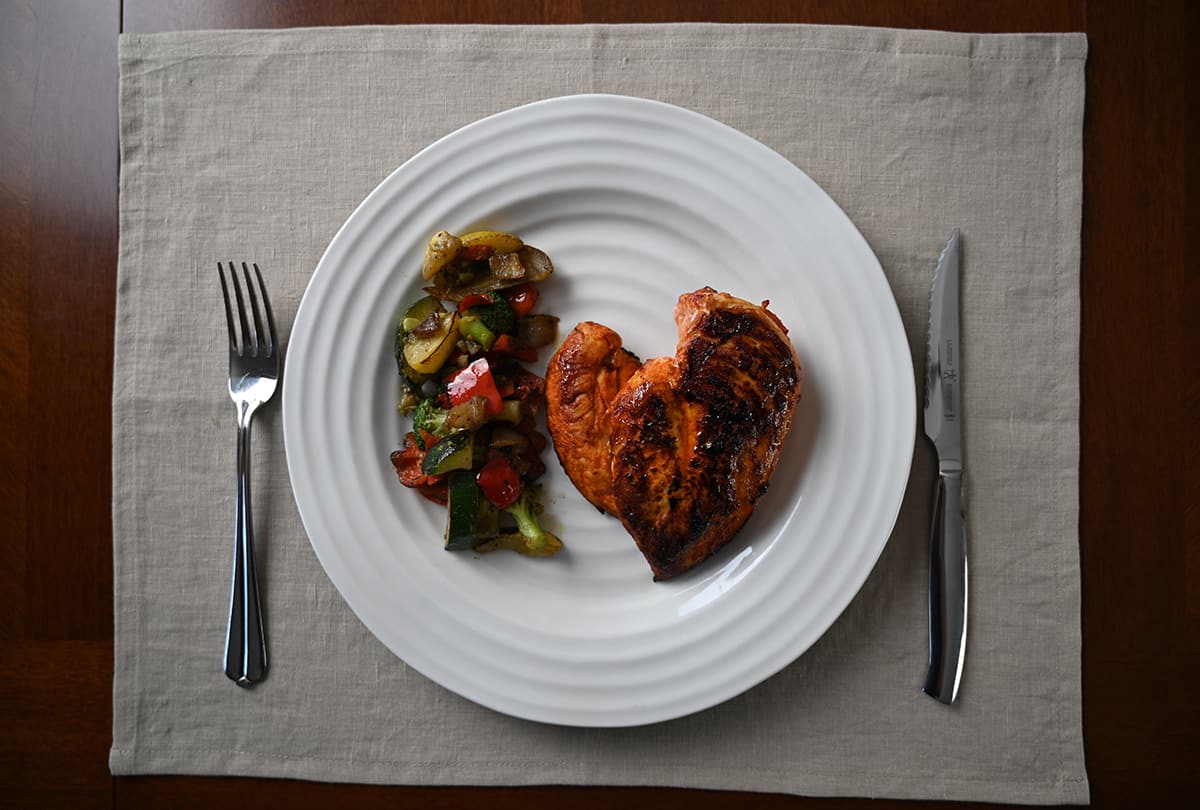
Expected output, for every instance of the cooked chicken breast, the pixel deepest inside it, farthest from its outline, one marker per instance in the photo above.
(582, 379)
(696, 437)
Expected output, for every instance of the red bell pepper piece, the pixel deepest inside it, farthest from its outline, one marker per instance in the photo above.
(477, 252)
(407, 461)
(500, 482)
(439, 493)
(475, 380)
(522, 299)
(474, 300)
(509, 346)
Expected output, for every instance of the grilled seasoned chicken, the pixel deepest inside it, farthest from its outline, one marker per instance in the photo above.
(695, 437)
(582, 380)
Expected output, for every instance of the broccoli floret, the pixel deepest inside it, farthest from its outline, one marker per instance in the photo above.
(429, 418)
(497, 315)
(538, 541)
(487, 320)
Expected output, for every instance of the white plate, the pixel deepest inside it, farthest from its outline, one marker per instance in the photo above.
(636, 202)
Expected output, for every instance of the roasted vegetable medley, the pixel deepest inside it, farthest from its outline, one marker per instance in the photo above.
(474, 446)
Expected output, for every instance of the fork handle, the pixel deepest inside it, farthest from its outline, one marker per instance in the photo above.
(245, 644)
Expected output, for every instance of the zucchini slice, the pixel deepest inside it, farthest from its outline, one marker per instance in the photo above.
(412, 317)
(420, 310)
(462, 510)
(453, 452)
(427, 354)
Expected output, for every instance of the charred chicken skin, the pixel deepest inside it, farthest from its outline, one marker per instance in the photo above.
(691, 441)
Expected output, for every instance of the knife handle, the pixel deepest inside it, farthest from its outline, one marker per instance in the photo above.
(947, 590)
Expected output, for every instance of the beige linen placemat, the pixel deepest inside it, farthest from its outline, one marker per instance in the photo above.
(258, 145)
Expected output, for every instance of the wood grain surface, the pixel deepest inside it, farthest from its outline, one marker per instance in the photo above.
(58, 233)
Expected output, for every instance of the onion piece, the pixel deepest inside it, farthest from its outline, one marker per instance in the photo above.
(518, 267)
(469, 415)
(536, 331)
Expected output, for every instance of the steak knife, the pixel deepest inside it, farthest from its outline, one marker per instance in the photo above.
(948, 534)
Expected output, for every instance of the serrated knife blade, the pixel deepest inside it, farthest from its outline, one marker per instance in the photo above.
(948, 532)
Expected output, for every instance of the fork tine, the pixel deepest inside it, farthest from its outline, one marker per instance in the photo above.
(246, 336)
(255, 314)
(271, 338)
(233, 334)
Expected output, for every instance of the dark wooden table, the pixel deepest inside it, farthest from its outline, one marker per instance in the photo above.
(58, 250)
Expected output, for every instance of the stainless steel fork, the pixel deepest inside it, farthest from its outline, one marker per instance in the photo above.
(253, 375)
